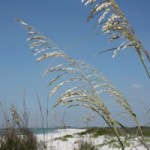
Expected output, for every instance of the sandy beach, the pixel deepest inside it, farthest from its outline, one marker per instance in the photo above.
(54, 142)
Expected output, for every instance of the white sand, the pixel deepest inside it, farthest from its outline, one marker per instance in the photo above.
(59, 144)
(71, 143)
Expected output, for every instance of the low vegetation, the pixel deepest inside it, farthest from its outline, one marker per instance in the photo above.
(96, 131)
(15, 133)
(18, 139)
(64, 138)
(85, 145)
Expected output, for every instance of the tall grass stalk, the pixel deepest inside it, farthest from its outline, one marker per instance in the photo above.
(25, 113)
(44, 144)
(115, 24)
(81, 84)
(16, 135)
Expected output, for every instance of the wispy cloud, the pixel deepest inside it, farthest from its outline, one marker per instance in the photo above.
(136, 86)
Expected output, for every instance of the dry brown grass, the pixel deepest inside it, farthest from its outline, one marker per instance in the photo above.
(82, 84)
(115, 24)
(16, 135)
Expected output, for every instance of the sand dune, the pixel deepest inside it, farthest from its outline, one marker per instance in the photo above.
(54, 143)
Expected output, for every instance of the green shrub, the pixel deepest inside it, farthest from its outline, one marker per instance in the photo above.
(64, 138)
(17, 135)
(18, 139)
(85, 145)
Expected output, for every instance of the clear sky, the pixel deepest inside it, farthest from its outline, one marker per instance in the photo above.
(64, 22)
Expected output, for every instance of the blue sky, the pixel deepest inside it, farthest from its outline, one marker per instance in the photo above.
(65, 23)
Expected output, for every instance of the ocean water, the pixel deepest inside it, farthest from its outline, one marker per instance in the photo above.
(43, 130)
(37, 130)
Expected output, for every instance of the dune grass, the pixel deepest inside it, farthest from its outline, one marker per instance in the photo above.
(85, 145)
(15, 134)
(64, 138)
(18, 139)
(96, 131)
(18, 136)
(115, 24)
(82, 84)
